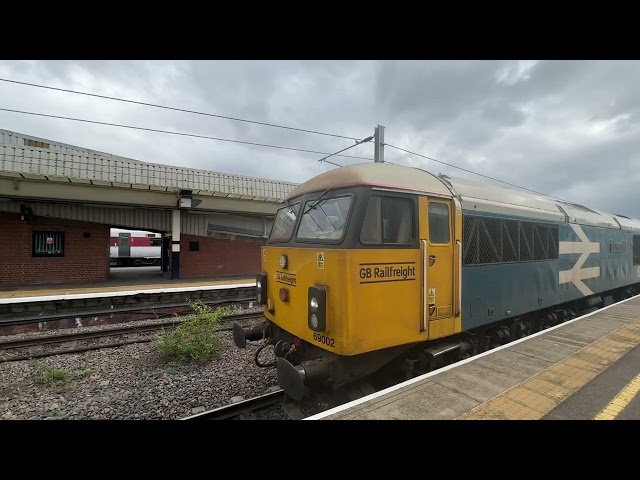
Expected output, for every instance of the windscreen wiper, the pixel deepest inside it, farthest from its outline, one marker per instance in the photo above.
(317, 201)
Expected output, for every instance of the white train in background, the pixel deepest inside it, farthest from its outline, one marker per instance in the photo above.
(131, 248)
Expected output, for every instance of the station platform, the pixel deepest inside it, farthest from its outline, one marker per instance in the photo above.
(120, 283)
(586, 368)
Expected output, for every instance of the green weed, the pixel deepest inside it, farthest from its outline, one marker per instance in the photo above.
(85, 372)
(195, 340)
(54, 378)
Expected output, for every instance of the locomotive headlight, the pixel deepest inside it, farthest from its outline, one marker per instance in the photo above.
(284, 261)
(261, 288)
(313, 304)
(317, 314)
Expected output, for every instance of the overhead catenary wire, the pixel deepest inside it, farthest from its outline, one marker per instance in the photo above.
(184, 110)
(178, 133)
(475, 173)
(358, 142)
(148, 104)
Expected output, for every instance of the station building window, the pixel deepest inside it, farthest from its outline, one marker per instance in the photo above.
(194, 246)
(48, 244)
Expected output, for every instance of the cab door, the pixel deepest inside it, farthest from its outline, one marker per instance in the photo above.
(438, 247)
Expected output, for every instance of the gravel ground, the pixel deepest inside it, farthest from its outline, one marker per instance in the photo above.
(129, 382)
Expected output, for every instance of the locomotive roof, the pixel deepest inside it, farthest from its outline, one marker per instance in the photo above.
(497, 199)
(476, 196)
(383, 175)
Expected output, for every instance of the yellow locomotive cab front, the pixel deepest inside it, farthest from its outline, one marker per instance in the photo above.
(344, 281)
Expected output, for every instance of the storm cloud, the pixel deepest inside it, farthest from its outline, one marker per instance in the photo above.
(570, 129)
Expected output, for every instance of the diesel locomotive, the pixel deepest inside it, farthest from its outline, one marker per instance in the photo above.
(376, 272)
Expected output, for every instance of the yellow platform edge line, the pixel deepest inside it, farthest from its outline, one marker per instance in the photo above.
(620, 401)
(508, 404)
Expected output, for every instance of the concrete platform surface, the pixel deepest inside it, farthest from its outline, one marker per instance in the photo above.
(125, 281)
(586, 368)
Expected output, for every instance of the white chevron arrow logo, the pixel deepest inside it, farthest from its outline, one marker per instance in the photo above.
(577, 274)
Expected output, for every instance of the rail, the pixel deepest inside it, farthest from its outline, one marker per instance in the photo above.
(237, 409)
(142, 308)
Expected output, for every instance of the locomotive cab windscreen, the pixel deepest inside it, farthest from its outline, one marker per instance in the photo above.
(323, 219)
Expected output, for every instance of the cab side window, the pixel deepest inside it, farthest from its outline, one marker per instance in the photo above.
(388, 221)
(372, 226)
(636, 249)
(438, 223)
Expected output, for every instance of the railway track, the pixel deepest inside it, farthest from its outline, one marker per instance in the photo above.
(274, 405)
(153, 310)
(48, 345)
(236, 410)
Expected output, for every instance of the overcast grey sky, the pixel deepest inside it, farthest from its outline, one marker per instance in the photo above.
(566, 128)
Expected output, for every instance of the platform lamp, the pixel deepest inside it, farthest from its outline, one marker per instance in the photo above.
(26, 214)
(186, 200)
